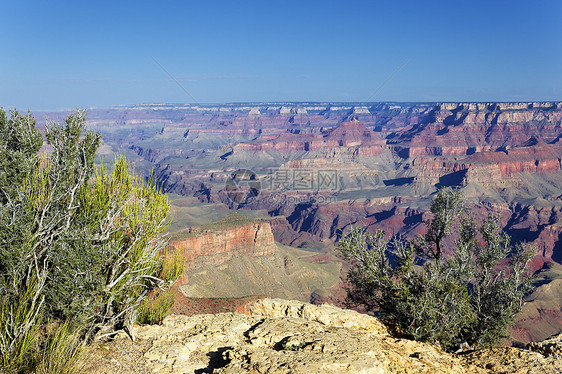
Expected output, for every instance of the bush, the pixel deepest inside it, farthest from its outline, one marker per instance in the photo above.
(468, 294)
(173, 265)
(76, 243)
(20, 325)
(156, 307)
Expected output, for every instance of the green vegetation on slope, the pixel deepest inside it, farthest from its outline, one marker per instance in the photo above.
(78, 246)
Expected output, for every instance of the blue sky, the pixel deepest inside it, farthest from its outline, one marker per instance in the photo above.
(68, 54)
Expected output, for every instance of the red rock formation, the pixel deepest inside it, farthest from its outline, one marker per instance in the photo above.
(549, 245)
(347, 134)
(489, 167)
(254, 238)
(459, 129)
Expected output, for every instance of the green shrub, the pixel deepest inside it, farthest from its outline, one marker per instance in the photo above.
(20, 324)
(469, 293)
(76, 243)
(173, 265)
(154, 309)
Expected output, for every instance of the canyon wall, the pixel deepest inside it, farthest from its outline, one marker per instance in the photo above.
(507, 154)
(221, 241)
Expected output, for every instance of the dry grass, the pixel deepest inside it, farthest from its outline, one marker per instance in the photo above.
(63, 353)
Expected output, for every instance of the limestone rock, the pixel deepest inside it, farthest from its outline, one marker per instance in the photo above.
(325, 314)
(548, 347)
(512, 360)
(281, 336)
(289, 345)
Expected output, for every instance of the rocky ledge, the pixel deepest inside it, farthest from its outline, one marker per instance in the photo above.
(279, 336)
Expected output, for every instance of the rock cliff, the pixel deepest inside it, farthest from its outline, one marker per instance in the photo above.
(346, 134)
(237, 256)
(280, 336)
(232, 235)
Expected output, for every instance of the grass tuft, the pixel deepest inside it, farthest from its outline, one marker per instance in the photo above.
(63, 352)
(153, 310)
(173, 266)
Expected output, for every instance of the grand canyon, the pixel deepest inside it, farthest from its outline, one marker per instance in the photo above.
(281, 187)
(303, 173)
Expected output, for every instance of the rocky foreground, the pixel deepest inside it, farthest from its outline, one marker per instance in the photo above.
(280, 336)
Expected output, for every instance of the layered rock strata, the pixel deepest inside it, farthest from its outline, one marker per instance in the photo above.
(221, 242)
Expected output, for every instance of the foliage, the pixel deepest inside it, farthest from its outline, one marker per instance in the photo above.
(62, 353)
(173, 265)
(468, 294)
(20, 325)
(19, 144)
(291, 346)
(154, 309)
(76, 243)
(127, 219)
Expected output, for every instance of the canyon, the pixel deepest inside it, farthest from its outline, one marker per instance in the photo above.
(237, 256)
(310, 171)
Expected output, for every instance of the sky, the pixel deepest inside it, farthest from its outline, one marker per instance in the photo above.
(67, 54)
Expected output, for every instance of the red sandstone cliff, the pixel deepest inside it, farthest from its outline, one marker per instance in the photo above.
(490, 168)
(221, 240)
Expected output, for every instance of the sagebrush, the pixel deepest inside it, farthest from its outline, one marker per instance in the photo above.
(468, 293)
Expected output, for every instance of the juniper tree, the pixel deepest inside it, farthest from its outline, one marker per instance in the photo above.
(469, 293)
